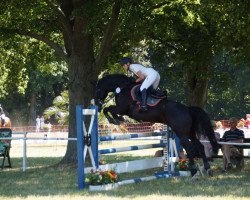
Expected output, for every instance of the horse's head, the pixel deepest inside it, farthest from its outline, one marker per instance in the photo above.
(108, 84)
(100, 95)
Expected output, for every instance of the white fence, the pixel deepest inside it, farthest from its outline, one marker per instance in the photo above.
(25, 138)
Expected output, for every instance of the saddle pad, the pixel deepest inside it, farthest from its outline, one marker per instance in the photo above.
(136, 96)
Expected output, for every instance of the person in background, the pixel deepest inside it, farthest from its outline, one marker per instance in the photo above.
(232, 135)
(38, 123)
(148, 76)
(42, 123)
(247, 121)
(2, 116)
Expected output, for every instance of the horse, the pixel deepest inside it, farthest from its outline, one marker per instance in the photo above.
(186, 121)
(7, 123)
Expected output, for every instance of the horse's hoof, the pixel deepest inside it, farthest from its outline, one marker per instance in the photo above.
(210, 172)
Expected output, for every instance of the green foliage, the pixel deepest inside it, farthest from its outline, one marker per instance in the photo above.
(196, 37)
(232, 98)
(59, 110)
(179, 38)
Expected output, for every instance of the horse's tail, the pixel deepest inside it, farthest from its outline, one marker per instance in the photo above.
(202, 124)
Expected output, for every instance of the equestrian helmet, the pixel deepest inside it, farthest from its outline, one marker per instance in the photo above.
(125, 60)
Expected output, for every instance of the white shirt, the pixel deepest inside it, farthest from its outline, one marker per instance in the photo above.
(138, 67)
(152, 77)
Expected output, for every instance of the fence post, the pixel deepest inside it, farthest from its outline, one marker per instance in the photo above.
(80, 147)
(94, 137)
(24, 152)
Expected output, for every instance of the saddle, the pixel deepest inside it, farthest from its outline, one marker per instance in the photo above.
(153, 96)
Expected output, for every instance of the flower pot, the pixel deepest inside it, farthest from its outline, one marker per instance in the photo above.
(105, 187)
(184, 173)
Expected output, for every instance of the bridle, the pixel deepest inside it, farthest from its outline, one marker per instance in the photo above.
(116, 92)
(101, 102)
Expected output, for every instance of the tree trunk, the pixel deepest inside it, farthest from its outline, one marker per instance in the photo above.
(197, 73)
(80, 93)
(82, 64)
(197, 90)
(32, 112)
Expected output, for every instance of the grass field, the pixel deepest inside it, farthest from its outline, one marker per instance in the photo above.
(44, 179)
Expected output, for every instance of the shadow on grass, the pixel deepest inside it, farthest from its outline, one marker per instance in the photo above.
(45, 178)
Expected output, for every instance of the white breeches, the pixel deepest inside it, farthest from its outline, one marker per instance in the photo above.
(153, 78)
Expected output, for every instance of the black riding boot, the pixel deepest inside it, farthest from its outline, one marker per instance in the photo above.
(144, 100)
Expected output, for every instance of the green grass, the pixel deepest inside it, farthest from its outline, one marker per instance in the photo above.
(45, 180)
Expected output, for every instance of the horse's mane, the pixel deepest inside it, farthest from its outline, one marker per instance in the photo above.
(116, 79)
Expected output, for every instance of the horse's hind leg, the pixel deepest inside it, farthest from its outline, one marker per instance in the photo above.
(187, 145)
(201, 151)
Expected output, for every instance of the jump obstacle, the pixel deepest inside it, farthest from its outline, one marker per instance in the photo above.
(87, 141)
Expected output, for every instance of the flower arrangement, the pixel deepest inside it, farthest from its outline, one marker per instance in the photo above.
(183, 165)
(102, 177)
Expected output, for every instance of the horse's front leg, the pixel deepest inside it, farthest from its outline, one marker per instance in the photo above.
(115, 119)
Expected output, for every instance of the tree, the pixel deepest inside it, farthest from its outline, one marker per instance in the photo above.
(84, 33)
(67, 28)
(32, 77)
(190, 35)
(80, 32)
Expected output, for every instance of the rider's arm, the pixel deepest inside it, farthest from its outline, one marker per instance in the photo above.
(140, 77)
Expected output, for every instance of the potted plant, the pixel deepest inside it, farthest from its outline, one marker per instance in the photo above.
(102, 180)
(183, 167)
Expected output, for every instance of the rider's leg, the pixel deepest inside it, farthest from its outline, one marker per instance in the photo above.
(156, 81)
(151, 79)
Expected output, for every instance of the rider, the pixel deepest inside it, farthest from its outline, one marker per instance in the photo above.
(149, 76)
(2, 116)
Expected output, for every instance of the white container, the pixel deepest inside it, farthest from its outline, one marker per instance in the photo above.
(105, 187)
(185, 173)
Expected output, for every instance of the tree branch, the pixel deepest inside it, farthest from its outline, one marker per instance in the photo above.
(58, 49)
(64, 12)
(106, 42)
(161, 4)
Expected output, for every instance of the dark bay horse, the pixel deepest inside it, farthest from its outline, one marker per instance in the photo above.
(186, 122)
